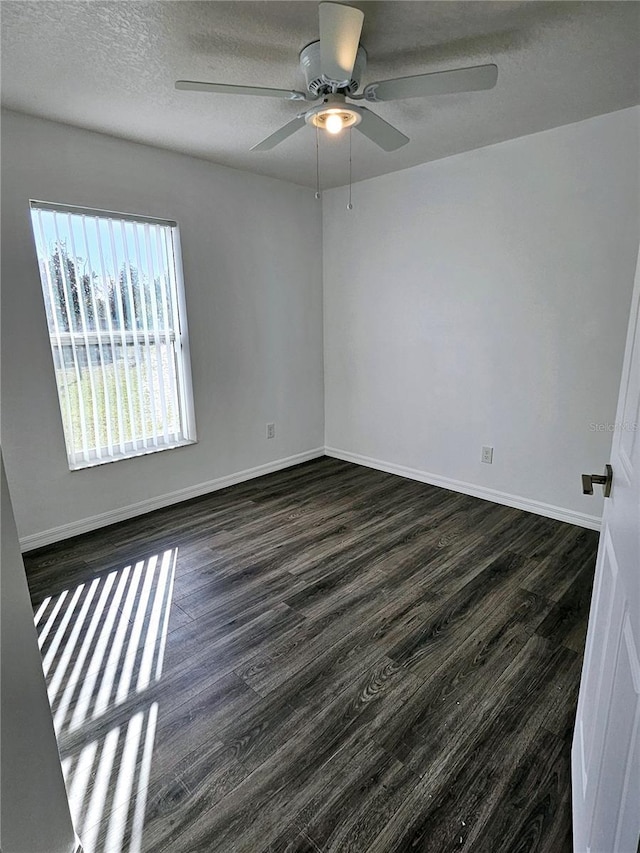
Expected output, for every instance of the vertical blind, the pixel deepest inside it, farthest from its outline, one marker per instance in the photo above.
(112, 289)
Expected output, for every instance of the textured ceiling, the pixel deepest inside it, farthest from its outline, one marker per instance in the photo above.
(111, 67)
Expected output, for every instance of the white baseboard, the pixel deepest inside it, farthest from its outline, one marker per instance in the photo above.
(592, 522)
(122, 513)
(84, 525)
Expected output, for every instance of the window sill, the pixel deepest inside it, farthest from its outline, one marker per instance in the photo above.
(130, 454)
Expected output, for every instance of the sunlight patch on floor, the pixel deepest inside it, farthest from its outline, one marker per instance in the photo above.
(104, 714)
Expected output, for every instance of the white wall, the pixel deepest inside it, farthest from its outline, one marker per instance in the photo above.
(252, 265)
(483, 299)
(35, 815)
(479, 299)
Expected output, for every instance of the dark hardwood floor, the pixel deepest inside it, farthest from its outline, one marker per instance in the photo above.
(328, 658)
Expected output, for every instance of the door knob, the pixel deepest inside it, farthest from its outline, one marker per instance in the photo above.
(605, 480)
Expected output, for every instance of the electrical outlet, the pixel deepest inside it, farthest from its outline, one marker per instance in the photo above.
(271, 430)
(487, 455)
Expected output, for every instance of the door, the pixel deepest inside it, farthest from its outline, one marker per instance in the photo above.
(605, 757)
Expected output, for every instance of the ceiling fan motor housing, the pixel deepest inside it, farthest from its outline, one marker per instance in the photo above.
(317, 84)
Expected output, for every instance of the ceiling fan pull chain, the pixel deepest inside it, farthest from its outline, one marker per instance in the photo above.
(317, 165)
(349, 205)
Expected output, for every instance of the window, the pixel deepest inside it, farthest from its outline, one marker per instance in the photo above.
(113, 295)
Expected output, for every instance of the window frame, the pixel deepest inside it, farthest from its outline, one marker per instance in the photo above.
(77, 456)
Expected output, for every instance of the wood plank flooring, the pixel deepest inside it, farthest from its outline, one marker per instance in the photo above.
(328, 658)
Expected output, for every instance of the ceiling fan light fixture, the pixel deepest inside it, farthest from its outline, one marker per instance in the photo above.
(333, 117)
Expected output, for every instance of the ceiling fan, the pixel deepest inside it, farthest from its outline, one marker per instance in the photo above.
(333, 68)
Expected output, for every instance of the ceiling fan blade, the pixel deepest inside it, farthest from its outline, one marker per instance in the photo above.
(380, 131)
(280, 135)
(340, 28)
(227, 89)
(438, 83)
